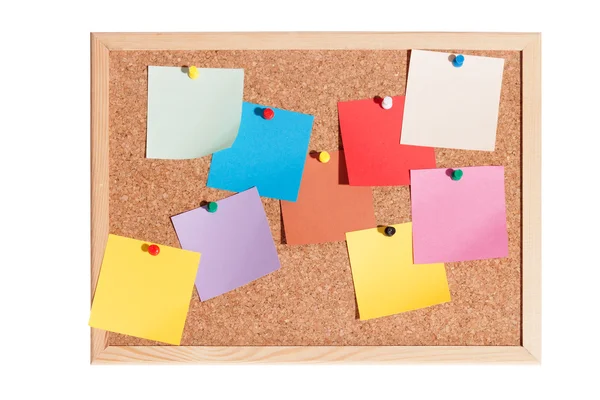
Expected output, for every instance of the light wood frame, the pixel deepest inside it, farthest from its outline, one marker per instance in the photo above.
(529, 44)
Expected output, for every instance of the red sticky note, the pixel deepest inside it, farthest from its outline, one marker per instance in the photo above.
(371, 139)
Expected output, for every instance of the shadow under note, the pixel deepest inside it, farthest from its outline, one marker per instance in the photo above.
(407, 69)
(282, 228)
(343, 170)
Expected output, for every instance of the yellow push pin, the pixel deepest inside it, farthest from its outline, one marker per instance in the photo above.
(324, 157)
(193, 72)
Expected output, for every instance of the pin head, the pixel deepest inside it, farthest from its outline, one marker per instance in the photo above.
(458, 60)
(153, 250)
(212, 207)
(457, 174)
(389, 231)
(193, 72)
(387, 103)
(324, 157)
(268, 113)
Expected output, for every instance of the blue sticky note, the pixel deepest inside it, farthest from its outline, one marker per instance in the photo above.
(268, 154)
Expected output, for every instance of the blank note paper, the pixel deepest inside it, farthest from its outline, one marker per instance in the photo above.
(458, 220)
(192, 118)
(327, 206)
(371, 138)
(235, 241)
(143, 295)
(268, 154)
(452, 107)
(385, 279)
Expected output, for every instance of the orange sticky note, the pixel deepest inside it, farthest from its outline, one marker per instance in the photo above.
(371, 139)
(143, 295)
(327, 207)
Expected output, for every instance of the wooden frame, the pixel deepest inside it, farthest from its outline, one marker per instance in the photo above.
(530, 46)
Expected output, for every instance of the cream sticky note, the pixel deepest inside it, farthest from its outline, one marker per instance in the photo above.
(143, 295)
(385, 279)
(452, 107)
(191, 118)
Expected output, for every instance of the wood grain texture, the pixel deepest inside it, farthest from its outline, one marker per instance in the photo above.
(532, 200)
(99, 172)
(315, 355)
(153, 352)
(315, 41)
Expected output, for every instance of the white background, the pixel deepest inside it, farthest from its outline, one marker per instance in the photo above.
(44, 159)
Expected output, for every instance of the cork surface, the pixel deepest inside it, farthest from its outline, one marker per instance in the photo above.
(310, 300)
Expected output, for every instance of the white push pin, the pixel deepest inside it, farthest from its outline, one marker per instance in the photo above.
(386, 103)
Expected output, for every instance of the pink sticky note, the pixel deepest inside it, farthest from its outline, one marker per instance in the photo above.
(458, 220)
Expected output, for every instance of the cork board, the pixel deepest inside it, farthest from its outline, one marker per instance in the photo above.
(310, 300)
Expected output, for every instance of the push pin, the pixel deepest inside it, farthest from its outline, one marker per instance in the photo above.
(389, 231)
(324, 157)
(457, 174)
(212, 207)
(193, 72)
(458, 61)
(386, 104)
(153, 250)
(268, 113)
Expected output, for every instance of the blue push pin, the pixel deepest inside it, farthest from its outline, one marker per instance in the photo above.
(458, 61)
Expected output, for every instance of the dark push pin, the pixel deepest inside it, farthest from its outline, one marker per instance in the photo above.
(389, 231)
(212, 207)
(457, 174)
(153, 250)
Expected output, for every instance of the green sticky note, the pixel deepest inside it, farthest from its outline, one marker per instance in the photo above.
(191, 118)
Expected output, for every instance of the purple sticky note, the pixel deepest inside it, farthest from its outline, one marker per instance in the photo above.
(235, 242)
(458, 220)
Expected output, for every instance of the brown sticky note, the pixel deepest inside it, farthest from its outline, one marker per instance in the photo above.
(327, 207)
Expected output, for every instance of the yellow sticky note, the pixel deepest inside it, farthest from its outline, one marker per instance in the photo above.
(143, 295)
(386, 281)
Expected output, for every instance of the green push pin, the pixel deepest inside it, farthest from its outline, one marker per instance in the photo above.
(457, 174)
(212, 207)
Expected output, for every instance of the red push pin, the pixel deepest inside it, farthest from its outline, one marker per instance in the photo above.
(153, 250)
(268, 113)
